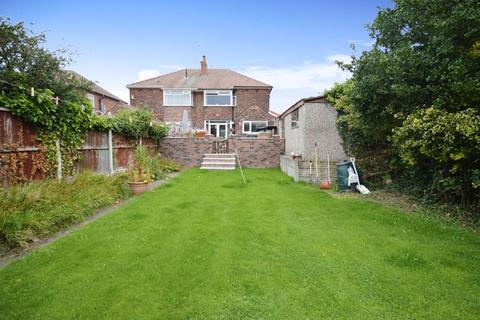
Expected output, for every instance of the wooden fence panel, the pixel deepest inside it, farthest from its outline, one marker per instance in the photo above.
(22, 156)
(94, 153)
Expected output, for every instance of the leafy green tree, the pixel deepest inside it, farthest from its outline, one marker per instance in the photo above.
(450, 139)
(416, 93)
(25, 63)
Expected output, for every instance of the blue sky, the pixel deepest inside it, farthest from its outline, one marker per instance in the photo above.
(290, 45)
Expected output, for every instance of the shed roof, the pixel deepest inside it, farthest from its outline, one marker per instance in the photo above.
(300, 103)
(191, 79)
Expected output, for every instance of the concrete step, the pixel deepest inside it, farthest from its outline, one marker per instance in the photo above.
(219, 155)
(218, 164)
(216, 168)
(219, 159)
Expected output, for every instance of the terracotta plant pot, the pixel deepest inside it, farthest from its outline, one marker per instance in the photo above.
(200, 134)
(325, 185)
(138, 187)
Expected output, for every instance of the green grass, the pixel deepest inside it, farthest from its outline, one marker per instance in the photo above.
(205, 246)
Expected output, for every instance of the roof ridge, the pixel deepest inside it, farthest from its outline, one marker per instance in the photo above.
(160, 75)
(217, 77)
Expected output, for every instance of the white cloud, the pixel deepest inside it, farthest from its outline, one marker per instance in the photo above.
(291, 83)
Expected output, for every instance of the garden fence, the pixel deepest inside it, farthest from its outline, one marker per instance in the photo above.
(22, 156)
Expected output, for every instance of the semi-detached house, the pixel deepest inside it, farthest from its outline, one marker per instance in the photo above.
(221, 101)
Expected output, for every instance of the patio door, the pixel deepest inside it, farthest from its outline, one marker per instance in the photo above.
(217, 128)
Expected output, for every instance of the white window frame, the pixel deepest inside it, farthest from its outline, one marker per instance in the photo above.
(250, 126)
(208, 123)
(219, 93)
(184, 92)
(91, 97)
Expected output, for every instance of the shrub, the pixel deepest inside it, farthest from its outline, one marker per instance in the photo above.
(168, 166)
(159, 167)
(139, 166)
(158, 131)
(137, 124)
(31, 211)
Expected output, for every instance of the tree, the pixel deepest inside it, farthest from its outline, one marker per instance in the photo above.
(451, 139)
(418, 86)
(26, 64)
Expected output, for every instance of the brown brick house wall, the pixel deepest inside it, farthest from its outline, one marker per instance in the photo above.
(153, 98)
(253, 152)
(109, 103)
(252, 104)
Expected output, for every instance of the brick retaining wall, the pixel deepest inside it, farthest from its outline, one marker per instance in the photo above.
(253, 152)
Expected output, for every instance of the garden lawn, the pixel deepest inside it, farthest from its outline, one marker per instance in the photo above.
(205, 246)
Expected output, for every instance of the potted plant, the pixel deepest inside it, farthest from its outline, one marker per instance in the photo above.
(138, 171)
(200, 134)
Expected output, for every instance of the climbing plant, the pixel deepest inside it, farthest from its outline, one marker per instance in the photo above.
(35, 87)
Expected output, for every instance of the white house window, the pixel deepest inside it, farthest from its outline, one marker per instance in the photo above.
(218, 98)
(177, 97)
(91, 97)
(250, 127)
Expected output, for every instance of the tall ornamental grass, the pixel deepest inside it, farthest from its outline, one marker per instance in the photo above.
(31, 211)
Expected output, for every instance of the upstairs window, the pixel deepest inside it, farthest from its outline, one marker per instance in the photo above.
(177, 97)
(218, 98)
(251, 127)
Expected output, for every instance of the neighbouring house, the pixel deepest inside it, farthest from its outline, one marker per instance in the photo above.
(220, 101)
(103, 101)
(308, 122)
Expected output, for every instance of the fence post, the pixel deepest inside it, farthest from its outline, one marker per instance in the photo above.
(110, 152)
(59, 160)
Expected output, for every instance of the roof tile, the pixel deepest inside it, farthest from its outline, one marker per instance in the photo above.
(191, 78)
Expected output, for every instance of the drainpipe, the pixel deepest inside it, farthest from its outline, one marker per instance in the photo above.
(233, 114)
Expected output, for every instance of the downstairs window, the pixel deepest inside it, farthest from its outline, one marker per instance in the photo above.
(250, 127)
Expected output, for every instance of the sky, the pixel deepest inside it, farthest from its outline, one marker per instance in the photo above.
(291, 45)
